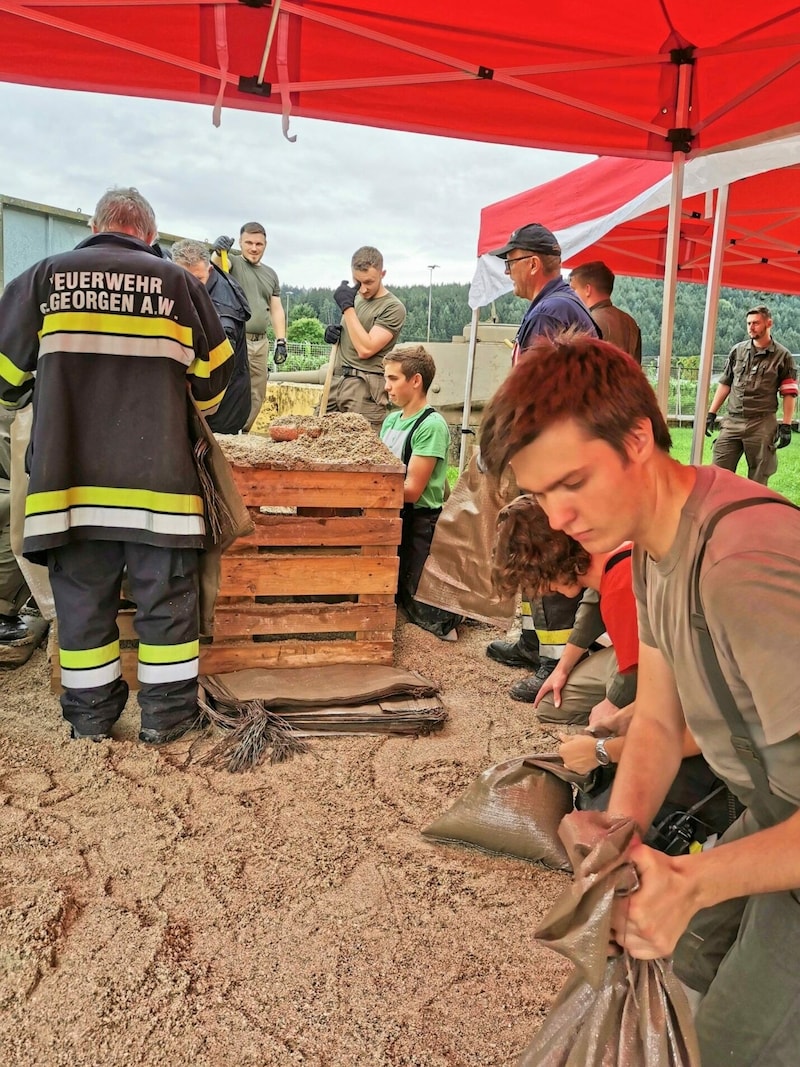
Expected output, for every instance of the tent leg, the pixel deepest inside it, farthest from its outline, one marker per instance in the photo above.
(670, 281)
(473, 341)
(709, 325)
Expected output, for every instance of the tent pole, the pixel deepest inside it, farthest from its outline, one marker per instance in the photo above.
(473, 341)
(670, 280)
(709, 325)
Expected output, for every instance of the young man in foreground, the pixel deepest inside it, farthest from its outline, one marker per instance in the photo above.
(581, 429)
(419, 436)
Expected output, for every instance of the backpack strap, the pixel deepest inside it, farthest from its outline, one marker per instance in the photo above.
(406, 456)
(618, 557)
(741, 738)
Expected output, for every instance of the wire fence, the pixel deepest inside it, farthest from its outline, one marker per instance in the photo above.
(683, 377)
(304, 356)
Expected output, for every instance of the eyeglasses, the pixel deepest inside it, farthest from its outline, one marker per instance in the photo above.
(519, 259)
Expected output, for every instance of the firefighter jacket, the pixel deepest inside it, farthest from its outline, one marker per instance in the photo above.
(106, 337)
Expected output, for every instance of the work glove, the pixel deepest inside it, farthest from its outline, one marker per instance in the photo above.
(222, 244)
(280, 355)
(783, 436)
(711, 423)
(345, 295)
(332, 334)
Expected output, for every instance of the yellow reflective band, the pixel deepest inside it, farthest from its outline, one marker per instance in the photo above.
(82, 659)
(525, 607)
(11, 372)
(553, 637)
(203, 368)
(102, 496)
(211, 405)
(169, 653)
(130, 325)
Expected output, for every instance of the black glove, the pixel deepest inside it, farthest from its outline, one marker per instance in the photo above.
(222, 244)
(783, 436)
(711, 423)
(345, 295)
(280, 355)
(332, 334)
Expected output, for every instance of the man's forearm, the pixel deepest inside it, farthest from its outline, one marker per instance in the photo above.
(647, 769)
(788, 409)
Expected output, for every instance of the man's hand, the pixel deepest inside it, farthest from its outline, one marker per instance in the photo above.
(649, 922)
(554, 684)
(281, 354)
(608, 716)
(345, 295)
(711, 423)
(578, 751)
(783, 436)
(332, 334)
(222, 244)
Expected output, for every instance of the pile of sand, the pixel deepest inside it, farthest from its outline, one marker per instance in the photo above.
(346, 441)
(158, 913)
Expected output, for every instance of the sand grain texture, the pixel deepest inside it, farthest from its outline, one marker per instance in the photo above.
(156, 913)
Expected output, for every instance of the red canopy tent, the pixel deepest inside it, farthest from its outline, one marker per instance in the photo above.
(739, 225)
(635, 80)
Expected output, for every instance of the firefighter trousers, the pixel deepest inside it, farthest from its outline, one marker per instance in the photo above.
(86, 577)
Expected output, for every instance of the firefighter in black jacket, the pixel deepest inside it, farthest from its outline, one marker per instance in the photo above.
(104, 339)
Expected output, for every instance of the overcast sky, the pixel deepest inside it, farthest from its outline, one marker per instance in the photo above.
(416, 198)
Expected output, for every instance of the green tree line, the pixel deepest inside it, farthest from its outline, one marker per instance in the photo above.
(641, 297)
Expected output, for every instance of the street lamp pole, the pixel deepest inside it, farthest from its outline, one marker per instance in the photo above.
(431, 268)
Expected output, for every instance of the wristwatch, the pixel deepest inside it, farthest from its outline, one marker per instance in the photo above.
(600, 754)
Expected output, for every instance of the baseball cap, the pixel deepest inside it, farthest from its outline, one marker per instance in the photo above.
(533, 237)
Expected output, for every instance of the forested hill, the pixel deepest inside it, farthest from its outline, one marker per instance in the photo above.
(450, 312)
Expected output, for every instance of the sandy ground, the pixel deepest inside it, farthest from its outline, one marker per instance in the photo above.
(153, 912)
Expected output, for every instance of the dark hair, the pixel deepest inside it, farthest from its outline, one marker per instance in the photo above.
(595, 273)
(253, 227)
(762, 309)
(413, 359)
(571, 376)
(366, 257)
(529, 554)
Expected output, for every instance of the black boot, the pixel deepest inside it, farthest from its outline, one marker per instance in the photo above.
(12, 628)
(528, 689)
(521, 653)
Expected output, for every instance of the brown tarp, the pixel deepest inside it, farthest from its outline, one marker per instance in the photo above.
(612, 1011)
(457, 574)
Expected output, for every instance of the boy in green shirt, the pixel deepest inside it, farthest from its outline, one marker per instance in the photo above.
(418, 435)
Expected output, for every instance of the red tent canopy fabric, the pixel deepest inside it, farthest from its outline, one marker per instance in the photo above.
(617, 210)
(636, 80)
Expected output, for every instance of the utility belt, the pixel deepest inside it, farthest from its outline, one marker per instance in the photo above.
(354, 372)
(256, 336)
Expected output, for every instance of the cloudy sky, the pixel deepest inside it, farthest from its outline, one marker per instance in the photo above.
(416, 198)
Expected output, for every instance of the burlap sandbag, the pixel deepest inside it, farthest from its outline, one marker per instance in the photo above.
(227, 516)
(457, 574)
(514, 808)
(620, 1011)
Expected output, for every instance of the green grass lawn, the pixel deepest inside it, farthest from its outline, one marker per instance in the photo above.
(786, 480)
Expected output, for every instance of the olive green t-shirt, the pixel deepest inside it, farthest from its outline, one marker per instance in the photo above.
(386, 311)
(260, 284)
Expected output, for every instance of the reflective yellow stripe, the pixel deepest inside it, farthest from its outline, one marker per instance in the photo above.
(102, 496)
(211, 405)
(82, 659)
(525, 607)
(100, 322)
(553, 637)
(203, 368)
(11, 372)
(168, 653)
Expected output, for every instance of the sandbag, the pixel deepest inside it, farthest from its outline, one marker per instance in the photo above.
(620, 1011)
(513, 808)
(457, 576)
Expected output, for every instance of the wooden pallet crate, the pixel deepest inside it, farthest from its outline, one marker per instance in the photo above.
(315, 586)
